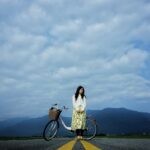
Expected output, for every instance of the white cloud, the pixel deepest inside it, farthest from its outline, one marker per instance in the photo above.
(48, 48)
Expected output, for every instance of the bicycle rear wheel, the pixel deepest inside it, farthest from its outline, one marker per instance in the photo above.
(91, 129)
(50, 130)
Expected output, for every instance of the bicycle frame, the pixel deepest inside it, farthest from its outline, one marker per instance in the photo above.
(63, 123)
(60, 117)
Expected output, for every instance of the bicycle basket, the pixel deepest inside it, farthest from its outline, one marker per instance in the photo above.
(54, 113)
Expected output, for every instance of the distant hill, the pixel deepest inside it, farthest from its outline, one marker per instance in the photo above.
(121, 121)
(110, 121)
(11, 122)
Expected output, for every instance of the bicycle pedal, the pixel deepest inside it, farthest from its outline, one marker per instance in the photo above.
(86, 129)
(72, 130)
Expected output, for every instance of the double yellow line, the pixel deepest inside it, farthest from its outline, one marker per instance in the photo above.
(68, 146)
(86, 145)
(89, 146)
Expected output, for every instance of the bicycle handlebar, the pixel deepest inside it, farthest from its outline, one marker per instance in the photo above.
(63, 107)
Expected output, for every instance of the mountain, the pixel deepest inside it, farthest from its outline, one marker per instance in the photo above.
(30, 127)
(11, 122)
(109, 121)
(121, 121)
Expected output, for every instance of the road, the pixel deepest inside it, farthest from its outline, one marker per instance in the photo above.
(71, 143)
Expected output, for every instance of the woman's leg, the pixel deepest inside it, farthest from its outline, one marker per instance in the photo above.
(78, 132)
(82, 132)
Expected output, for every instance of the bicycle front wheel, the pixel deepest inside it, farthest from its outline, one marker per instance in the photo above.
(50, 130)
(91, 129)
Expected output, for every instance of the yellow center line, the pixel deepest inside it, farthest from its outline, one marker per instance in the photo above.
(68, 146)
(89, 146)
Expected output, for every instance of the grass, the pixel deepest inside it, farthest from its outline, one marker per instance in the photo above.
(124, 136)
(134, 136)
(20, 138)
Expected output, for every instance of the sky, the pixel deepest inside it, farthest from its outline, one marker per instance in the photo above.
(49, 47)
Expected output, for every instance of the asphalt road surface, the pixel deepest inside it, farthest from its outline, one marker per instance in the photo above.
(72, 144)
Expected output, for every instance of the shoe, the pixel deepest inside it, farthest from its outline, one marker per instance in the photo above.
(78, 137)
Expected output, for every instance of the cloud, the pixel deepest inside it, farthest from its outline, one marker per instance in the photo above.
(48, 48)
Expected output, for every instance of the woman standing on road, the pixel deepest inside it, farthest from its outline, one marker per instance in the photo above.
(78, 123)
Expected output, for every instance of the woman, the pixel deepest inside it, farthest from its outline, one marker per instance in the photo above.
(79, 112)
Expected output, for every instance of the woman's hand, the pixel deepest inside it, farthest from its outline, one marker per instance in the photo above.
(80, 111)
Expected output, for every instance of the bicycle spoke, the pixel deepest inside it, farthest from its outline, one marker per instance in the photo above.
(50, 130)
(90, 131)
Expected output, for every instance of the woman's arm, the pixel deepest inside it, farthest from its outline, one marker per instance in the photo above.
(74, 103)
(83, 104)
(79, 107)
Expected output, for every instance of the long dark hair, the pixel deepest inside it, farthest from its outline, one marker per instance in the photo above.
(77, 92)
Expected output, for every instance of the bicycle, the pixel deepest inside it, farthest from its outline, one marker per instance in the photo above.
(52, 126)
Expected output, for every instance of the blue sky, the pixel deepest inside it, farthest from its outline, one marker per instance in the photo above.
(48, 48)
